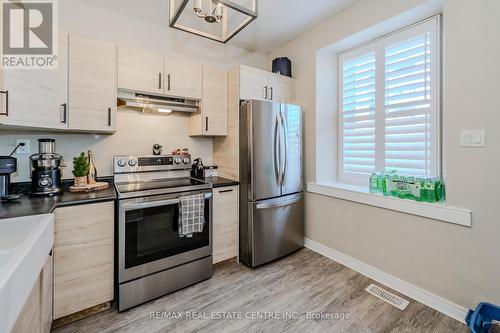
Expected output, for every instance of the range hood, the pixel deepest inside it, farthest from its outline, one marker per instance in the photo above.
(155, 103)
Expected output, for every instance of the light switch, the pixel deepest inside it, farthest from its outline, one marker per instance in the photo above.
(472, 138)
(466, 139)
(478, 138)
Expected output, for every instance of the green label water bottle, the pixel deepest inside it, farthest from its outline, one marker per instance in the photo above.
(373, 183)
(380, 182)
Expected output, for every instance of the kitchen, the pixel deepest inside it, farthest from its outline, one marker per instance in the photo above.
(152, 103)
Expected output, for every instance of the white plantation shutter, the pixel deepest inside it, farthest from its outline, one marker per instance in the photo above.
(358, 114)
(389, 103)
(408, 106)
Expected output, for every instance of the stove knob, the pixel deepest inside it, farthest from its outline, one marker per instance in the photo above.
(177, 160)
(121, 163)
(45, 182)
(185, 160)
(132, 163)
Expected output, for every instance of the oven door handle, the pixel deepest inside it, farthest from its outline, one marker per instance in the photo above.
(140, 205)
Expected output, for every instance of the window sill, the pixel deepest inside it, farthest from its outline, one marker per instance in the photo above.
(361, 194)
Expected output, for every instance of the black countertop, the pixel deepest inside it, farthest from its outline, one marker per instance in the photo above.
(220, 182)
(30, 205)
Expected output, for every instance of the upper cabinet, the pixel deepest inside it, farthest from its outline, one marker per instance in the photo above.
(244, 83)
(183, 78)
(92, 85)
(211, 120)
(36, 98)
(81, 94)
(153, 73)
(140, 71)
(280, 88)
(262, 85)
(253, 83)
(3, 98)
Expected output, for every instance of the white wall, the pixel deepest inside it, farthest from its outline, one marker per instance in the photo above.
(457, 263)
(135, 133)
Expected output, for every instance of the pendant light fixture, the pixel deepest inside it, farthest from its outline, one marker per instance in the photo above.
(219, 20)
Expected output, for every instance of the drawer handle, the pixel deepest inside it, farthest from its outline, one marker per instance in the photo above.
(225, 191)
(279, 204)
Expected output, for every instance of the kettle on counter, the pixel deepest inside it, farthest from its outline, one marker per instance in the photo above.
(197, 169)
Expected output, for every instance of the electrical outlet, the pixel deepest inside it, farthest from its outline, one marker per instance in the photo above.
(23, 149)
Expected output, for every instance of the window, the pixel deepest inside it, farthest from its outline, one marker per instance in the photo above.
(389, 105)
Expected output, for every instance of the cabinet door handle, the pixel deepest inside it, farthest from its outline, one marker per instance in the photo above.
(206, 124)
(271, 93)
(168, 82)
(265, 92)
(109, 116)
(6, 92)
(65, 115)
(225, 191)
(159, 80)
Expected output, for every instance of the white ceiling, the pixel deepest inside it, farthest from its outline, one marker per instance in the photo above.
(278, 22)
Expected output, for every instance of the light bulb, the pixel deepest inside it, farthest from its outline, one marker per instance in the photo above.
(197, 6)
(218, 12)
(167, 111)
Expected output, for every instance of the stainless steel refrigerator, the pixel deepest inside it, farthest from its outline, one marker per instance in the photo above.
(271, 198)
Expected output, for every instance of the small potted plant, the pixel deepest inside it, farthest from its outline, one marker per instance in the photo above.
(80, 170)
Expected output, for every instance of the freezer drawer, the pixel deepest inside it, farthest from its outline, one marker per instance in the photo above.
(278, 227)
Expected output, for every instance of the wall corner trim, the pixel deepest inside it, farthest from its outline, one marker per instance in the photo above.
(425, 297)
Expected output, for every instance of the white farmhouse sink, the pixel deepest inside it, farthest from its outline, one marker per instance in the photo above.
(25, 243)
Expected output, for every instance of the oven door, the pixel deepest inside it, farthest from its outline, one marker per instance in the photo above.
(148, 240)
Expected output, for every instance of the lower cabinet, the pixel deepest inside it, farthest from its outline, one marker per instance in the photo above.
(46, 295)
(36, 315)
(83, 257)
(29, 318)
(225, 223)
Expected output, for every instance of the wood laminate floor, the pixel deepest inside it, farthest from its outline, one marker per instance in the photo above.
(301, 284)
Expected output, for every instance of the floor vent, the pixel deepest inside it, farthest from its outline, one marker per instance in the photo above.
(390, 298)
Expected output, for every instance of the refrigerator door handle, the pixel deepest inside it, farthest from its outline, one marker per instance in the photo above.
(279, 203)
(277, 150)
(284, 127)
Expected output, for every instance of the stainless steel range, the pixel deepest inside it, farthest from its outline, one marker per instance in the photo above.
(153, 259)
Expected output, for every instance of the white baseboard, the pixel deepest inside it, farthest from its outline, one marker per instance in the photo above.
(434, 301)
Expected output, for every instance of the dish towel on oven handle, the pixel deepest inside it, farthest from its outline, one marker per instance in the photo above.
(191, 214)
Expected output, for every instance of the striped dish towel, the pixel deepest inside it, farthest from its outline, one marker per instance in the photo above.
(191, 214)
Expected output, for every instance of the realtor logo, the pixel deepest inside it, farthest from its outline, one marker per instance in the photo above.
(29, 34)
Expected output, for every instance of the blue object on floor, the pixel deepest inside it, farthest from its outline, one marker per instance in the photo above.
(479, 320)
